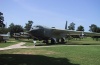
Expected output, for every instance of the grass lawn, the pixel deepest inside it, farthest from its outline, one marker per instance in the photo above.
(8, 43)
(85, 41)
(63, 55)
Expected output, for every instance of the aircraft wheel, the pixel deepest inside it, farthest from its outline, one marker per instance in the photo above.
(5, 41)
(47, 42)
(57, 40)
(52, 41)
(62, 40)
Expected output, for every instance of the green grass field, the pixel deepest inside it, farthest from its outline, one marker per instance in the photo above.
(8, 43)
(85, 41)
(59, 55)
(86, 53)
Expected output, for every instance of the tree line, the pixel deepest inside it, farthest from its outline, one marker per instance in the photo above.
(92, 28)
(13, 28)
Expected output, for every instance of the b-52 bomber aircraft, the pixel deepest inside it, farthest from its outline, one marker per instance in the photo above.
(53, 34)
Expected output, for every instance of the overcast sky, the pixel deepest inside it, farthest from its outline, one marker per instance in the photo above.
(51, 13)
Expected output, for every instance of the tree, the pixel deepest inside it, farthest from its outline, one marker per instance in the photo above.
(4, 30)
(28, 25)
(1, 20)
(80, 28)
(98, 30)
(15, 28)
(93, 28)
(11, 26)
(71, 26)
(18, 28)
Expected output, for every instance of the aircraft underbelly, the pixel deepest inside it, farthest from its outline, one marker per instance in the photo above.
(47, 33)
(39, 34)
(58, 34)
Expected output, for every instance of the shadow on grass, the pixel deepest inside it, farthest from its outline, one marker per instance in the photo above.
(50, 44)
(86, 44)
(24, 59)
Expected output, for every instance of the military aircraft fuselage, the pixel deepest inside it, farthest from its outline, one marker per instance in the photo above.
(44, 33)
(41, 33)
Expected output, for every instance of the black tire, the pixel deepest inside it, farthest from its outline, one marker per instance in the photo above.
(62, 40)
(52, 41)
(5, 41)
(47, 42)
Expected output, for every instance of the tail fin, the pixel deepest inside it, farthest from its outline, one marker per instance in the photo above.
(8, 33)
(66, 25)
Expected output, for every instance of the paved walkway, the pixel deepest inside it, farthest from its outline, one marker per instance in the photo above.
(14, 46)
(19, 45)
(22, 43)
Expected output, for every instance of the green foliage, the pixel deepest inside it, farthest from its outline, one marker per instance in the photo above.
(10, 42)
(28, 25)
(1, 20)
(71, 26)
(15, 28)
(18, 28)
(11, 25)
(80, 28)
(4, 30)
(98, 30)
(94, 28)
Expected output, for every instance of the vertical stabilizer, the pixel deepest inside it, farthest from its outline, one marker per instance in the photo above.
(66, 25)
(8, 33)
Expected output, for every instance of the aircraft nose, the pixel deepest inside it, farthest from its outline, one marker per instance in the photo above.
(34, 32)
(34, 28)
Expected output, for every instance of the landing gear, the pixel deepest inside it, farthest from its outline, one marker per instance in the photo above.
(52, 41)
(57, 40)
(47, 42)
(62, 40)
(5, 41)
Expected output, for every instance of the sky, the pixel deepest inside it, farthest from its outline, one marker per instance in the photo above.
(51, 13)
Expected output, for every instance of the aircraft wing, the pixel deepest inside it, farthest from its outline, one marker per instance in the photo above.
(91, 34)
(63, 33)
(57, 32)
(72, 32)
(4, 35)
